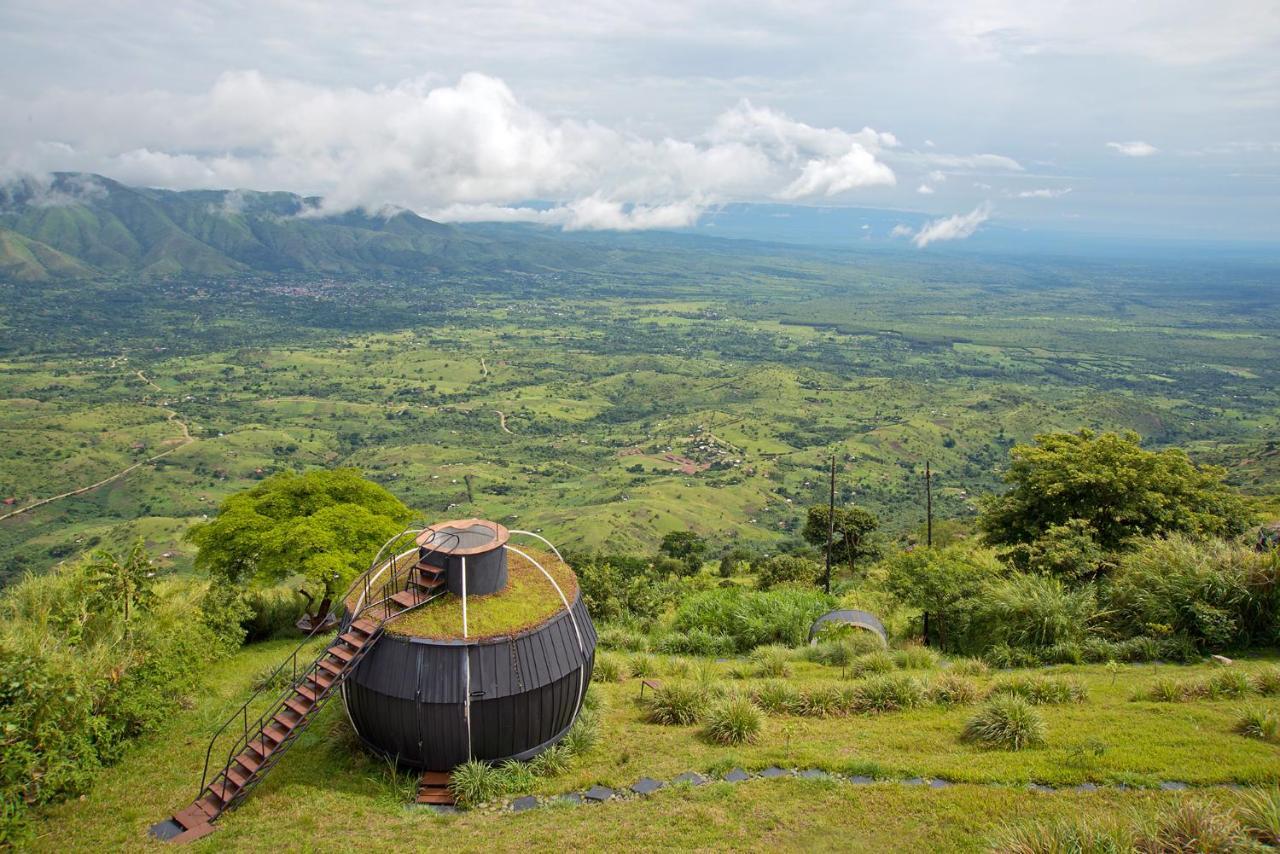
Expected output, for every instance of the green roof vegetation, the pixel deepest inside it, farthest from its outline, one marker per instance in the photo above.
(528, 600)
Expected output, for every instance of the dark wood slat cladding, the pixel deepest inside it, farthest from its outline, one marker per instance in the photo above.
(407, 696)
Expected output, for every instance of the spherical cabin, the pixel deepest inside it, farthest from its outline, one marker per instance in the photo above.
(493, 666)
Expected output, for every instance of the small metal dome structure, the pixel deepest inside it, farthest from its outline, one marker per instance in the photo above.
(860, 619)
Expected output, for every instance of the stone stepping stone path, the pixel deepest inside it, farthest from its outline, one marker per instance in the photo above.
(648, 785)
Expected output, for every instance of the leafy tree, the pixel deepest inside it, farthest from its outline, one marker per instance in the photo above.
(1109, 482)
(940, 582)
(324, 525)
(733, 560)
(122, 582)
(853, 527)
(1069, 551)
(786, 569)
(686, 547)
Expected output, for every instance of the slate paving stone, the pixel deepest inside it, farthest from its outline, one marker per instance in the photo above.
(814, 774)
(528, 802)
(737, 775)
(443, 809)
(599, 793)
(1087, 787)
(646, 786)
(861, 780)
(572, 797)
(773, 772)
(913, 781)
(1173, 786)
(691, 777)
(1040, 787)
(938, 784)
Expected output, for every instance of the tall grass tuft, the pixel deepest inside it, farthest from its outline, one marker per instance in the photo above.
(772, 662)
(1041, 690)
(1266, 681)
(950, 689)
(1007, 723)
(607, 668)
(872, 663)
(676, 704)
(1262, 724)
(776, 698)
(474, 783)
(735, 721)
(1191, 826)
(1063, 836)
(1259, 815)
(888, 694)
(642, 665)
(915, 657)
(970, 667)
(1228, 684)
(551, 762)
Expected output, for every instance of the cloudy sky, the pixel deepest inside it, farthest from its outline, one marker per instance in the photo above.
(1142, 117)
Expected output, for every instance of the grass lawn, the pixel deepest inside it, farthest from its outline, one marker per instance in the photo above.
(528, 600)
(327, 794)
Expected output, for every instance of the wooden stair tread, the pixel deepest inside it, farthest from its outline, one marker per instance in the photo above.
(191, 817)
(353, 639)
(435, 796)
(406, 598)
(191, 834)
(237, 777)
(330, 666)
(339, 652)
(366, 626)
(298, 706)
(434, 778)
(249, 762)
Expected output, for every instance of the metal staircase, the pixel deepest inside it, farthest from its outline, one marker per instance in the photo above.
(246, 746)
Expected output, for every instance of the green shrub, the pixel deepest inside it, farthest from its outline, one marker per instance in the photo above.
(831, 653)
(1217, 595)
(607, 668)
(515, 776)
(1004, 657)
(970, 667)
(1166, 690)
(951, 689)
(474, 783)
(696, 642)
(272, 611)
(1069, 652)
(915, 657)
(1259, 815)
(872, 663)
(1266, 681)
(772, 662)
(1041, 690)
(642, 666)
(753, 618)
(676, 704)
(1262, 724)
(786, 569)
(1008, 723)
(776, 698)
(270, 678)
(1031, 611)
(887, 694)
(735, 721)
(622, 639)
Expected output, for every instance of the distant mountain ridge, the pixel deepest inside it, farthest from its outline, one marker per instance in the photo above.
(76, 225)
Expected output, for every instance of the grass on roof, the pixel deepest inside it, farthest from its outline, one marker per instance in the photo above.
(528, 600)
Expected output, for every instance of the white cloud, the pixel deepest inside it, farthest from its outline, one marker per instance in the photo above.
(901, 230)
(924, 190)
(968, 162)
(1137, 148)
(1045, 193)
(467, 148)
(956, 227)
(937, 176)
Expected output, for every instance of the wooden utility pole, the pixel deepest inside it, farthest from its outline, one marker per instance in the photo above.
(928, 500)
(831, 526)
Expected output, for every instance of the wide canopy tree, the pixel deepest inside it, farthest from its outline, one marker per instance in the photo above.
(852, 541)
(325, 526)
(1114, 486)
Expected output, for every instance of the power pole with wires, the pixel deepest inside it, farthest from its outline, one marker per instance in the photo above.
(831, 526)
(928, 500)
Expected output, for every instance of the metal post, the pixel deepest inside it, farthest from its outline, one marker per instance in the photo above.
(928, 497)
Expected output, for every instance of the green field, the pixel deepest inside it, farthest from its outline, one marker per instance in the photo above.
(670, 389)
